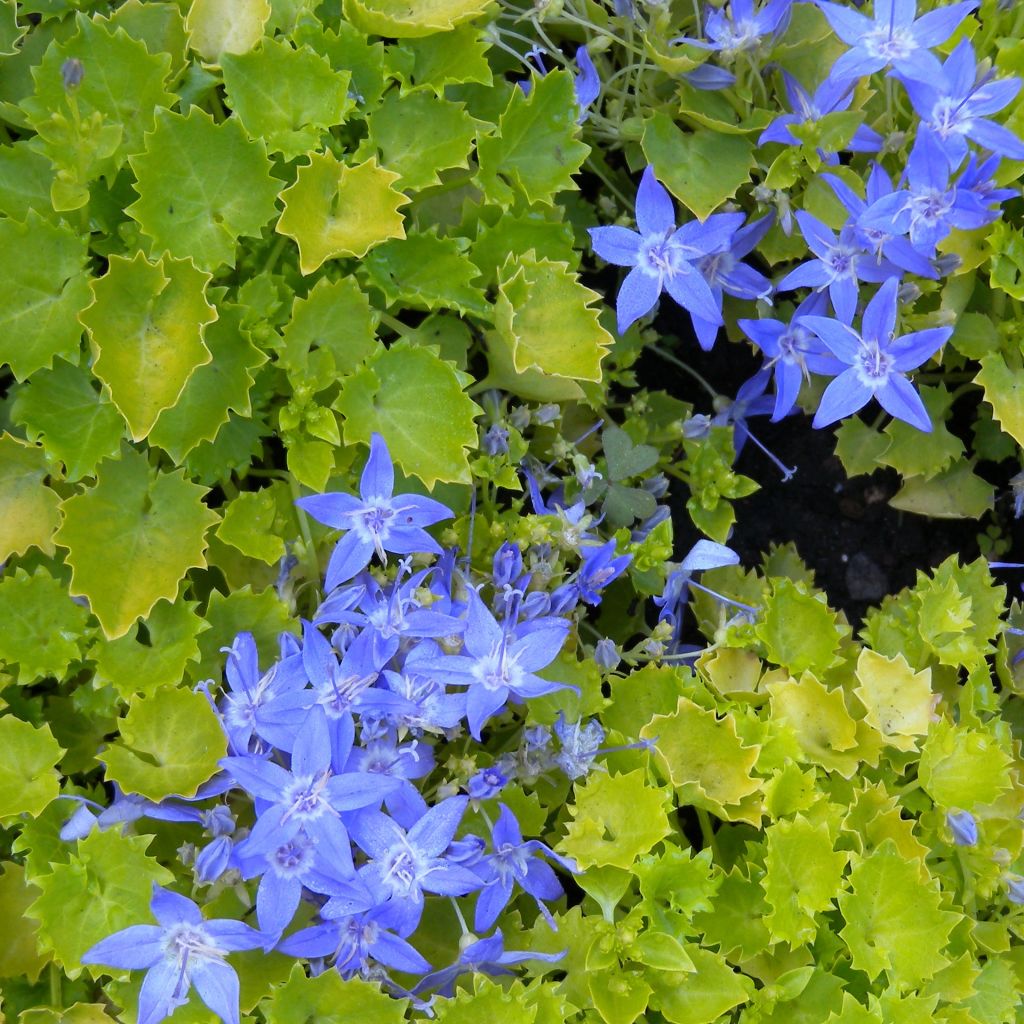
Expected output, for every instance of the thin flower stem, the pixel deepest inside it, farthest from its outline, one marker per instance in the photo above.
(395, 324)
(707, 832)
(669, 358)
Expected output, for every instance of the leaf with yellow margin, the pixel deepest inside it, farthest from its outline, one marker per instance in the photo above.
(898, 701)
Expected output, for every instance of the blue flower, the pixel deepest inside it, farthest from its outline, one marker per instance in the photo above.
(485, 956)
(792, 351)
(663, 257)
(963, 827)
(404, 864)
(180, 951)
(840, 265)
(580, 743)
(376, 521)
(830, 97)
(739, 27)
(954, 105)
(929, 207)
(586, 84)
(875, 234)
(895, 37)
(600, 567)
(513, 861)
(877, 362)
(705, 554)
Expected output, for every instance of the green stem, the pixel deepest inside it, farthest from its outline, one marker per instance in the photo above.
(56, 987)
(275, 253)
(669, 358)
(403, 330)
(707, 832)
(310, 564)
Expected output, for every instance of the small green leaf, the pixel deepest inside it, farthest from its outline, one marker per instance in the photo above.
(42, 629)
(122, 82)
(19, 957)
(538, 230)
(898, 701)
(962, 767)
(335, 316)
(170, 744)
(536, 149)
(410, 19)
(859, 446)
(545, 318)
(150, 525)
(335, 210)
(701, 996)
(416, 401)
(893, 922)
(132, 667)
(26, 176)
(285, 96)
(28, 508)
(105, 886)
(215, 388)
(451, 58)
(248, 525)
(28, 781)
(201, 185)
(217, 27)
(820, 721)
(803, 875)
(75, 424)
(43, 286)
(146, 326)
(1006, 258)
(799, 630)
(419, 135)
(955, 493)
(423, 271)
(619, 996)
(702, 168)
(616, 818)
(1004, 391)
(329, 999)
(914, 453)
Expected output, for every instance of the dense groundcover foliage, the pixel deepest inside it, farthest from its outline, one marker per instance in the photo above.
(374, 644)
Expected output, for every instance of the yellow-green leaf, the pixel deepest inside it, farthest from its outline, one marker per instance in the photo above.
(217, 27)
(899, 701)
(28, 781)
(28, 508)
(405, 19)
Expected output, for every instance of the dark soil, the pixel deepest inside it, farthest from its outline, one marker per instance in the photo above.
(859, 547)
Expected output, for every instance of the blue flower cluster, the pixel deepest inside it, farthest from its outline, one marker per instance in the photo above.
(330, 747)
(944, 184)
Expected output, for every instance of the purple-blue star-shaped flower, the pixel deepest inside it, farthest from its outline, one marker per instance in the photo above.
(877, 362)
(664, 257)
(895, 37)
(840, 264)
(929, 206)
(793, 351)
(180, 951)
(740, 26)
(377, 521)
(954, 107)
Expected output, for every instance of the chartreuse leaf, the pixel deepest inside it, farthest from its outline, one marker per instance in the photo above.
(43, 285)
(423, 271)
(248, 525)
(515, 233)
(701, 996)
(898, 701)
(150, 525)
(285, 96)
(536, 149)
(105, 886)
(335, 316)
(701, 168)
(1006, 260)
(329, 999)
(19, 957)
(416, 401)
(10, 33)
(263, 614)
(42, 626)
(616, 818)
(799, 630)
(28, 508)
(75, 423)
(347, 49)
(160, 26)
(26, 176)
(914, 453)
(420, 134)
(803, 874)
(489, 1001)
(961, 767)
(955, 493)
(545, 319)
(893, 922)
(170, 743)
(1003, 382)
(703, 757)
(28, 781)
(201, 185)
(146, 326)
(450, 58)
(409, 19)
(217, 27)
(122, 81)
(132, 666)
(619, 996)
(335, 210)
(215, 388)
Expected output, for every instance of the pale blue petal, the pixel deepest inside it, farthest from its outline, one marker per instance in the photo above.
(937, 26)
(217, 985)
(132, 948)
(841, 341)
(616, 245)
(655, 214)
(378, 479)
(845, 395)
(880, 314)
(913, 350)
(692, 292)
(636, 298)
(163, 990)
(898, 398)
(170, 908)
